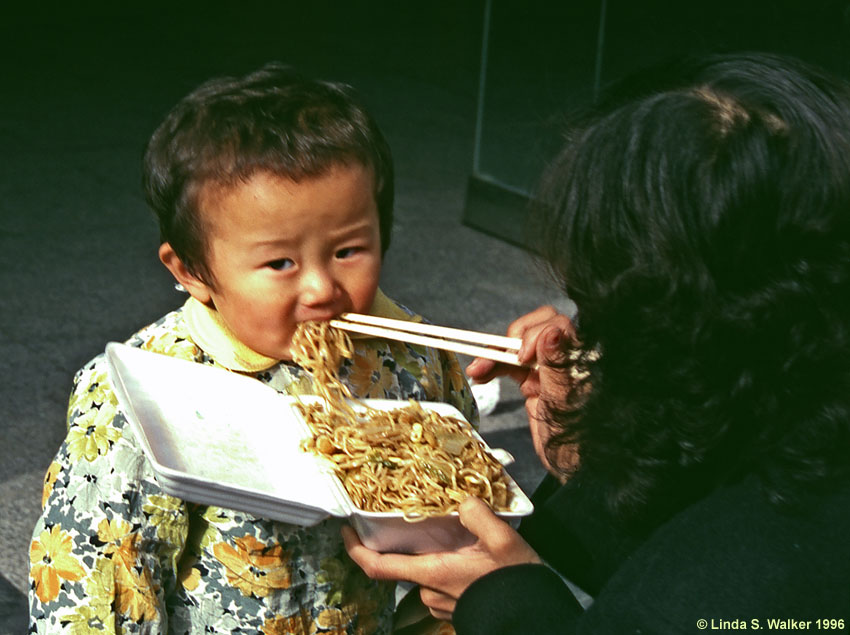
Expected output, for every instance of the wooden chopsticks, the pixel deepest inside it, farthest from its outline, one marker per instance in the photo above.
(496, 347)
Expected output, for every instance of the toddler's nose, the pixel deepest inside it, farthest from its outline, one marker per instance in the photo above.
(317, 287)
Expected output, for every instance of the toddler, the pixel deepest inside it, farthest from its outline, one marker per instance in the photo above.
(274, 197)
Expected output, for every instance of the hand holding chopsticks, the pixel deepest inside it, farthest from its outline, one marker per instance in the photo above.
(496, 347)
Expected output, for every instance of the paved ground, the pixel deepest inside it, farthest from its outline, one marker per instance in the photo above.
(77, 247)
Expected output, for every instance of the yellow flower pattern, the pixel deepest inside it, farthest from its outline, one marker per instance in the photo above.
(98, 394)
(253, 567)
(332, 620)
(111, 533)
(92, 434)
(86, 620)
(174, 344)
(366, 379)
(96, 615)
(297, 624)
(136, 594)
(165, 513)
(189, 576)
(134, 591)
(51, 562)
(49, 480)
(111, 561)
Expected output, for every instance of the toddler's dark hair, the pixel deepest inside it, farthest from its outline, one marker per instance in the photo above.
(271, 120)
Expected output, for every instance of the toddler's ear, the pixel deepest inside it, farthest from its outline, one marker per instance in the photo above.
(196, 287)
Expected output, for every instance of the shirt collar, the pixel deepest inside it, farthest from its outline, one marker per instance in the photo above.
(209, 331)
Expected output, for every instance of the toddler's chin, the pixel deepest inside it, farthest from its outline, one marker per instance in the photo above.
(284, 354)
(280, 352)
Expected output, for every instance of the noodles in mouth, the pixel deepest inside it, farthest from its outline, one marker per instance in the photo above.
(407, 459)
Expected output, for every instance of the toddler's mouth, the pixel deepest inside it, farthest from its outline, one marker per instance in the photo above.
(323, 316)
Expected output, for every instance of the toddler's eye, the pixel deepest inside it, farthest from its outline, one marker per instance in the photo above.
(347, 252)
(280, 265)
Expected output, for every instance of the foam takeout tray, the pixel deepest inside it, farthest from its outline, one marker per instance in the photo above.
(219, 438)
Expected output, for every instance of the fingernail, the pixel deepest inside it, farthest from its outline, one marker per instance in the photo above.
(553, 339)
(462, 504)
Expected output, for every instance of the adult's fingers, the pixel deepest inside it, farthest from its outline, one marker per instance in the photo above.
(528, 327)
(532, 335)
(433, 570)
(482, 370)
(553, 378)
(519, 326)
(548, 351)
(379, 566)
(479, 519)
(440, 605)
(496, 538)
(528, 351)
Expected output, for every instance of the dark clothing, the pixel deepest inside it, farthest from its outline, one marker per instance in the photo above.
(730, 559)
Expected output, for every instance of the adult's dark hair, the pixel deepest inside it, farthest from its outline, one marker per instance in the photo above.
(271, 120)
(701, 223)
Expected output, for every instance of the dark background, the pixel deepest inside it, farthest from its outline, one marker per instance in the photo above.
(548, 57)
(84, 85)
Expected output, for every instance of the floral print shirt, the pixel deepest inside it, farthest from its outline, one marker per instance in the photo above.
(113, 553)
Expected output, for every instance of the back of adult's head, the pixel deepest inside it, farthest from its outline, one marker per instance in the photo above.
(701, 222)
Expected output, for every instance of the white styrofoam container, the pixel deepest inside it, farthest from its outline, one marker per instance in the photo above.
(219, 438)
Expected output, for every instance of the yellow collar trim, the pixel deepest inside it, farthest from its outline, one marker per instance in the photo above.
(208, 330)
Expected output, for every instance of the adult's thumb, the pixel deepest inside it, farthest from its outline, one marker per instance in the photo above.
(479, 519)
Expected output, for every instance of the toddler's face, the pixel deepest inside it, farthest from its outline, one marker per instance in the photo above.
(282, 252)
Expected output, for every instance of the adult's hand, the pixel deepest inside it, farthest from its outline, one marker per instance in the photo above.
(529, 328)
(444, 576)
(542, 380)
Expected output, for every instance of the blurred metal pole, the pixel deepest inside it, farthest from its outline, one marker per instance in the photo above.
(482, 82)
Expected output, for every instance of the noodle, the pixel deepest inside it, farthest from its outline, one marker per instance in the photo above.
(407, 459)
(319, 349)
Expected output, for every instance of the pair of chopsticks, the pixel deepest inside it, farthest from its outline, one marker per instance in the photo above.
(496, 347)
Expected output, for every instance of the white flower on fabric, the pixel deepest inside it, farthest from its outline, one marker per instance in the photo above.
(210, 618)
(91, 483)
